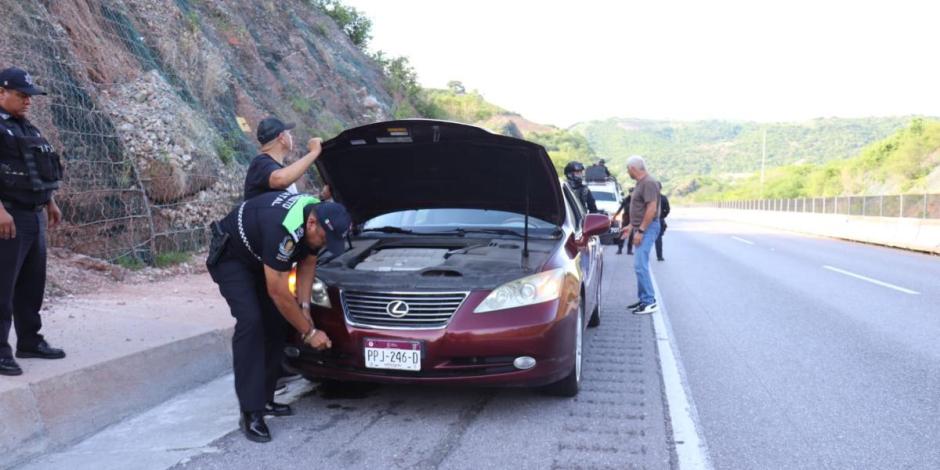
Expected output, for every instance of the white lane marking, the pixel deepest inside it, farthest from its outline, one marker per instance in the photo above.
(742, 240)
(691, 448)
(873, 281)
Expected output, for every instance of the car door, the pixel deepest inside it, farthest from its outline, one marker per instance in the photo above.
(590, 253)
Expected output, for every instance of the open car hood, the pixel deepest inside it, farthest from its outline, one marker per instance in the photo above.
(421, 164)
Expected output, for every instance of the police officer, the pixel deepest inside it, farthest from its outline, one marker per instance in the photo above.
(663, 213)
(250, 258)
(267, 171)
(30, 171)
(598, 172)
(625, 225)
(574, 172)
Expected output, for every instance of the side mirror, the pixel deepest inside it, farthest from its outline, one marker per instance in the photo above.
(595, 224)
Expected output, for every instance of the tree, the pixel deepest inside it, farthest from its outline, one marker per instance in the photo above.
(456, 87)
(356, 25)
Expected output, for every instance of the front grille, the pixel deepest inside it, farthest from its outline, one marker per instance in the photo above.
(411, 309)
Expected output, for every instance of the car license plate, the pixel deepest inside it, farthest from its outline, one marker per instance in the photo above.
(394, 355)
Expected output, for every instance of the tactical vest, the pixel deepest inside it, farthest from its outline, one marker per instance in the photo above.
(28, 164)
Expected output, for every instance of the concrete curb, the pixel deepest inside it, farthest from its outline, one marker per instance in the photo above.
(58, 411)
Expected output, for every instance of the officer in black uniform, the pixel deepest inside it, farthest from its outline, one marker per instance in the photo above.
(30, 171)
(250, 258)
(267, 171)
(574, 172)
(625, 225)
(663, 213)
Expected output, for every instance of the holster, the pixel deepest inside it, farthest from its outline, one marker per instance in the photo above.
(216, 244)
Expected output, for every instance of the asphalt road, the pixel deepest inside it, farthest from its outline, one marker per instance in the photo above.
(618, 421)
(803, 352)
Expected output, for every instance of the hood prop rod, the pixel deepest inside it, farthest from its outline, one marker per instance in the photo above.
(525, 230)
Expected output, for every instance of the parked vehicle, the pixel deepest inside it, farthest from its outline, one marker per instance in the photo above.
(470, 262)
(608, 195)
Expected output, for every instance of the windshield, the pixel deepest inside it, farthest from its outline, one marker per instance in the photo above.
(430, 220)
(603, 196)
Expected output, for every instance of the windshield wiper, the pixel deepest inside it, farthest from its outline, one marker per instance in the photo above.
(495, 231)
(399, 230)
(388, 229)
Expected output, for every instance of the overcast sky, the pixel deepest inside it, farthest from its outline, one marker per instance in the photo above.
(562, 62)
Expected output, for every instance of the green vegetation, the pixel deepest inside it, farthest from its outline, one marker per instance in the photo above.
(900, 163)
(564, 146)
(410, 99)
(301, 104)
(129, 261)
(225, 148)
(676, 150)
(352, 21)
(171, 258)
(193, 19)
(456, 104)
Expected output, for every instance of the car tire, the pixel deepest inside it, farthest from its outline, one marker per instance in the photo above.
(570, 385)
(595, 320)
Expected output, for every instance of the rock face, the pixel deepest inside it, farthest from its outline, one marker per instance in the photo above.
(146, 99)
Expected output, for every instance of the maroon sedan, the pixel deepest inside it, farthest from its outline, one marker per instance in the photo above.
(470, 262)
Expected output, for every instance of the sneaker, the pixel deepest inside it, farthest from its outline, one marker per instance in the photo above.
(645, 309)
(660, 259)
(634, 305)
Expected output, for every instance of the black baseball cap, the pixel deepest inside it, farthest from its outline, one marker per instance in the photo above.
(336, 222)
(20, 80)
(271, 127)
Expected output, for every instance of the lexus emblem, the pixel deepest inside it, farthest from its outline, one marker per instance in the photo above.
(397, 308)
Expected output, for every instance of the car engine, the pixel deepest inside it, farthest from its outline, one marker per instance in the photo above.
(403, 259)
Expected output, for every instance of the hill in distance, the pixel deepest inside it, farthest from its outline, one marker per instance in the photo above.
(680, 149)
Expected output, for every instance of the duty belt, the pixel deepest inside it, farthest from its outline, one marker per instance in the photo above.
(241, 232)
(23, 207)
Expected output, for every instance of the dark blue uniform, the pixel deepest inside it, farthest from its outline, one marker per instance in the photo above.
(267, 236)
(29, 173)
(258, 177)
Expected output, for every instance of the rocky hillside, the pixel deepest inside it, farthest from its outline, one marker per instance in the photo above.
(154, 104)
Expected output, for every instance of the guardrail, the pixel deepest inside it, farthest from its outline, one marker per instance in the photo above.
(916, 206)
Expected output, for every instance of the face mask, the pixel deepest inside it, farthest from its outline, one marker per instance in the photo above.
(290, 142)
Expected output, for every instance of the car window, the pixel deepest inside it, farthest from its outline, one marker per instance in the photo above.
(430, 219)
(604, 196)
(576, 208)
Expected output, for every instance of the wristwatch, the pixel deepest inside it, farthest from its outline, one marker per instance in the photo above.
(638, 229)
(309, 334)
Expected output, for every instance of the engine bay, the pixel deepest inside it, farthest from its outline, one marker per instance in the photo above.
(435, 261)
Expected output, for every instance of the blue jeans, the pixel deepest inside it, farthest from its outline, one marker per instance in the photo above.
(641, 264)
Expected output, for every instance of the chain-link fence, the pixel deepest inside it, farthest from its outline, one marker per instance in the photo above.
(140, 180)
(150, 103)
(919, 206)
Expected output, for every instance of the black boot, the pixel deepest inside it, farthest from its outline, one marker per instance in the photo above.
(277, 409)
(8, 366)
(41, 351)
(252, 425)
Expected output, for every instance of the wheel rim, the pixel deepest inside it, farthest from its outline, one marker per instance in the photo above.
(577, 346)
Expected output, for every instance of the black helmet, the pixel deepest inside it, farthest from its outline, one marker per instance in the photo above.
(601, 162)
(572, 167)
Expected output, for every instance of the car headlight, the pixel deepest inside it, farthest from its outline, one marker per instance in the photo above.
(320, 296)
(529, 290)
